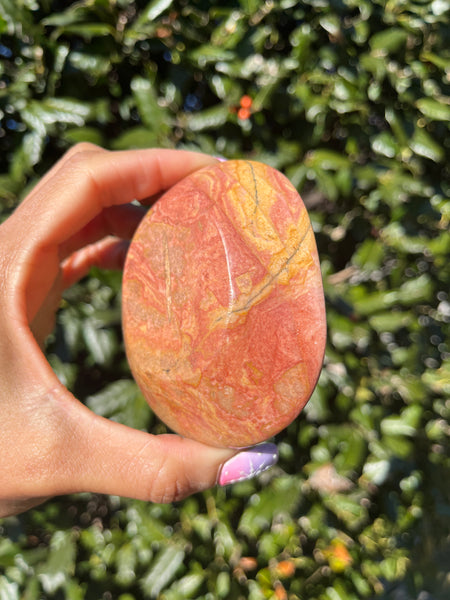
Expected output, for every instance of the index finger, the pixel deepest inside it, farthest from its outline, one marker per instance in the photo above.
(92, 179)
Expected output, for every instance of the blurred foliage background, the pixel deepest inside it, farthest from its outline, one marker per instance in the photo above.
(351, 100)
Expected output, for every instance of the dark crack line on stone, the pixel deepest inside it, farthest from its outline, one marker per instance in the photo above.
(271, 280)
(255, 186)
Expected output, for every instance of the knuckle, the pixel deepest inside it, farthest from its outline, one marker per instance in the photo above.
(79, 165)
(81, 148)
(165, 492)
(79, 158)
(166, 484)
(78, 168)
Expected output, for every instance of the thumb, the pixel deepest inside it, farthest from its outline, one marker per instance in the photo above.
(109, 458)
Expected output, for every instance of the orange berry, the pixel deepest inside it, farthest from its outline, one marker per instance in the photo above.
(248, 563)
(280, 592)
(285, 568)
(163, 32)
(246, 101)
(244, 113)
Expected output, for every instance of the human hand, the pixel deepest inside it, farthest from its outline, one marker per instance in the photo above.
(79, 215)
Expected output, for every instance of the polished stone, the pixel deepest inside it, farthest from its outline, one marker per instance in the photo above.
(223, 306)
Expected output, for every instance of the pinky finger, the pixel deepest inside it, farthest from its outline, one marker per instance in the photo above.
(108, 253)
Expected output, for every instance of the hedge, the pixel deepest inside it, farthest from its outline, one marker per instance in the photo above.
(351, 101)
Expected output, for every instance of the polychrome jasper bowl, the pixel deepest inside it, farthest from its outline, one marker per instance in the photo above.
(223, 307)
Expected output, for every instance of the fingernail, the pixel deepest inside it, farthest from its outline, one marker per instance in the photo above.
(248, 463)
(220, 158)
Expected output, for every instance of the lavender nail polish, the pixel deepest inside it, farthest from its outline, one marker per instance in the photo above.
(248, 463)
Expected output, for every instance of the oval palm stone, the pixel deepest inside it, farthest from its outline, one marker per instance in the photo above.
(223, 306)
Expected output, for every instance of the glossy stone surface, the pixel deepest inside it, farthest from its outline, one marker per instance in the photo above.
(223, 307)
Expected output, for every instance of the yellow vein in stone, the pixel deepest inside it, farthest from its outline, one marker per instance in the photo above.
(265, 215)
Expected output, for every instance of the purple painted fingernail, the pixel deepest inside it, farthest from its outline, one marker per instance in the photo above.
(248, 463)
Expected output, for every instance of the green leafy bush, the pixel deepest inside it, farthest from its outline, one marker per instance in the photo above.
(351, 100)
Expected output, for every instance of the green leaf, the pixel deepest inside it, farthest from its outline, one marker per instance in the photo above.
(16, 18)
(202, 526)
(123, 402)
(154, 117)
(390, 321)
(136, 137)
(424, 145)
(8, 551)
(41, 115)
(434, 109)
(352, 450)
(384, 143)
(162, 571)
(9, 590)
(60, 565)
(337, 592)
(101, 343)
(225, 540)
(327, 160)
(388, 41)
(3, 25)
(230, 32)
(151, 526)
(439, 379)
(126, 561)
(415, 291)
(84, 134)
(367, 304)
(223, 584)
(437, 430)
(369, 255)
(88, 30)
(207, 119)
(442, 62)
(375, 65)
(277, 500)
(377, 471)
(76, 13)
(210, 54)
(404, 424)
(95, 65)
(186, 587)
(347, 508)
(394, 235)
(331, 23)
(154, 9)
(32, 148)
(66, 372)
(73, 591)
(398, 126)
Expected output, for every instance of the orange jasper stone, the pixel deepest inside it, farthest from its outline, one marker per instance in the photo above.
(223, 307)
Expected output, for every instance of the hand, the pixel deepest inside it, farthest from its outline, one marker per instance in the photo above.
(79, 215)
